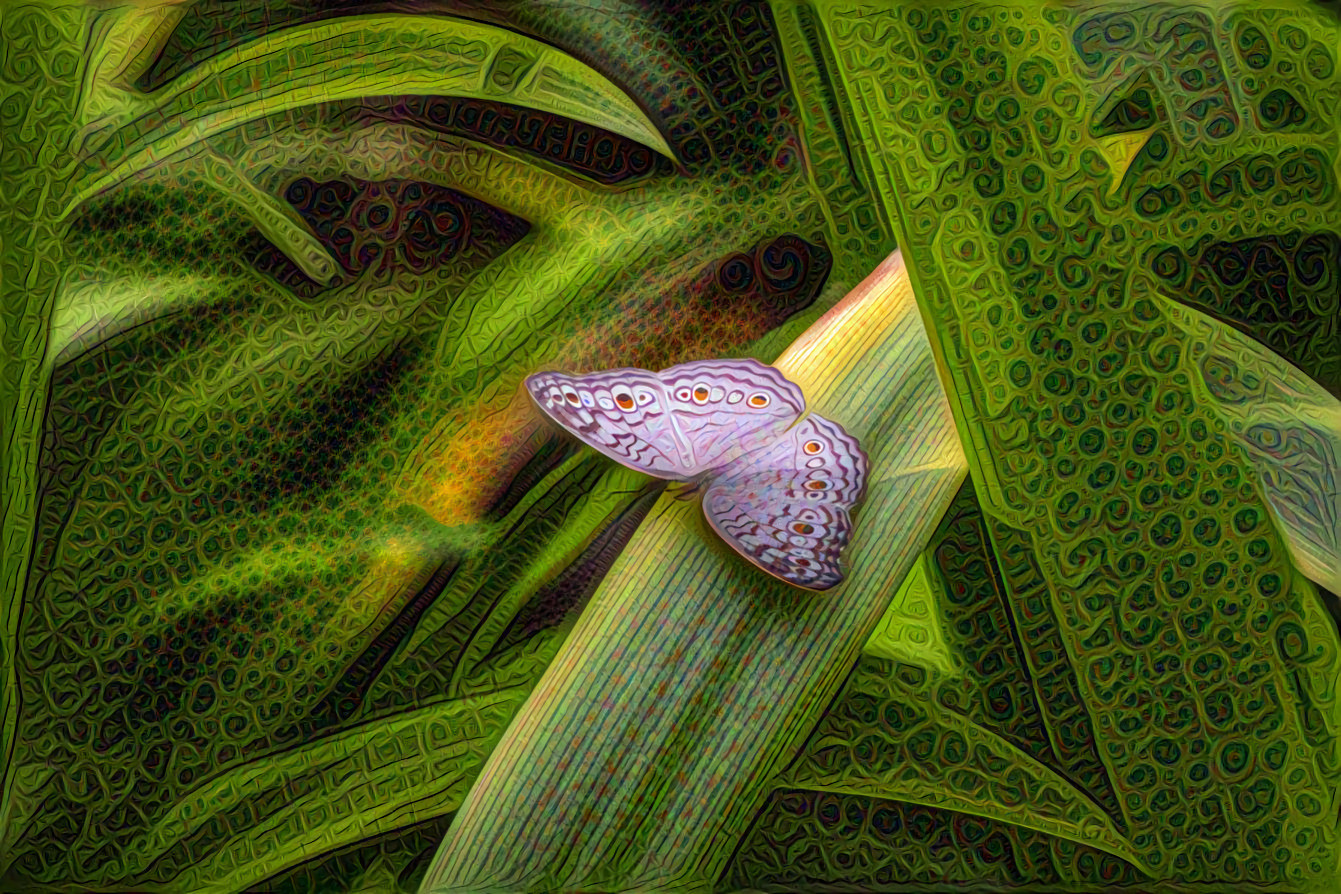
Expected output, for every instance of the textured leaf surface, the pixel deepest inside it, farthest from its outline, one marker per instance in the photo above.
(1288, 426)
(39, 88)
(353, 58)
(651, 737)
(1155, 595)
(928, 755)
(286, 505)
(283, 537)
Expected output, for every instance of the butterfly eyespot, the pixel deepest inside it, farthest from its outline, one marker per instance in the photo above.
(735, 397)
(645, 397)
(758, 400)
(624, 400)
(803, 528)
(813, 447)
(572, 398)
(816, 485)
(682, 394)
(804, 563)
(700, 393)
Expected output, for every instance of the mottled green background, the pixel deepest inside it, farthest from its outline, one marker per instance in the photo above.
(287, 554)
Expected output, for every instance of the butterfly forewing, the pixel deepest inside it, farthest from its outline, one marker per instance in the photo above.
(621, 412)
(727, 408)
(678, 423)
(786, 507)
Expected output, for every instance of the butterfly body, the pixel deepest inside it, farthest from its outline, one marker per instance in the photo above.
(778, 490)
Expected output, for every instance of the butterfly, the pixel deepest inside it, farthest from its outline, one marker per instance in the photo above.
(779, 487)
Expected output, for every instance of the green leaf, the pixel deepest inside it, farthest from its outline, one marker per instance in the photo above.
(691, 676)
(349, 58)
(242, 825)
(1153, 591)
(39, 82)
(1287, 425)
(269, 525)
(908, 630)
(970, 769)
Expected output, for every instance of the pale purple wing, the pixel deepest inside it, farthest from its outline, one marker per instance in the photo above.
(787, 508)
(623, 413)
(727, 408)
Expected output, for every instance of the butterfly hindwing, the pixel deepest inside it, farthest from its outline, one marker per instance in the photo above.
(726, 408)
(623, 413)
(787, 507)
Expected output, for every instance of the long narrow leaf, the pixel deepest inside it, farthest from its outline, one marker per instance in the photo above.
(686, 684)
(357, 57)
(39, 87)
(972, 770)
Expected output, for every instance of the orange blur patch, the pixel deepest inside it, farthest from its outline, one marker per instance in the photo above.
(661, 320)
(470, 459)
(815, 485)
(803, 528)
(813, 447)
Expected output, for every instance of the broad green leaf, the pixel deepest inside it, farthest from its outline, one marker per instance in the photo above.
(1288, 426)
(1154, 591)
(341, 789)
(173, 376)
(124, 45)
(690, 676)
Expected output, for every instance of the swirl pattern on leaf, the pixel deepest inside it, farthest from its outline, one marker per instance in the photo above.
(1053, 169)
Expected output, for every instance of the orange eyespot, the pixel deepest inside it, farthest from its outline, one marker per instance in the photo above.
(624, 401)
(573, 399)
(816, 485)
(813, 447)
(700, 393)
(758, 400)
(803, 528)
